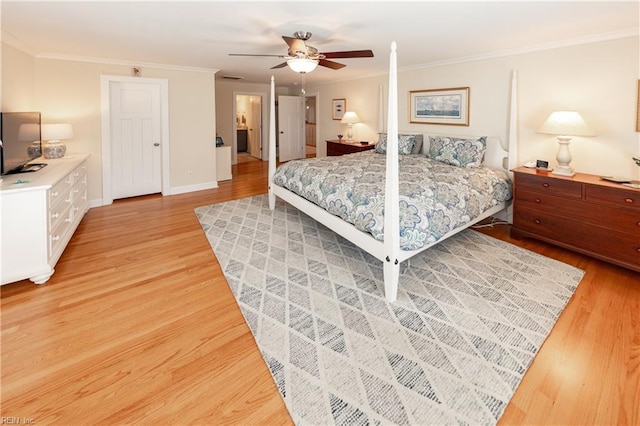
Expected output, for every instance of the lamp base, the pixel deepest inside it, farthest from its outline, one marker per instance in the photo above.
(53, 151)
(563, 171)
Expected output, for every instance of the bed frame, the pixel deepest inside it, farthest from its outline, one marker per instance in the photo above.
(388, 251)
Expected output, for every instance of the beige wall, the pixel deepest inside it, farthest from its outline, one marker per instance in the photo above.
(17, 80)
(598, 79)
(69, 91)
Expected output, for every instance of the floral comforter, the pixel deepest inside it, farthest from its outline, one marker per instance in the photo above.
(434, 197)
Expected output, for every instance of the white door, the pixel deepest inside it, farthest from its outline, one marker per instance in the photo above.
(290, 128)
(136, 156)
(255, 127)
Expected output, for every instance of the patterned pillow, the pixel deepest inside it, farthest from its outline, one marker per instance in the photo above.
(467, 153)
(405, 144)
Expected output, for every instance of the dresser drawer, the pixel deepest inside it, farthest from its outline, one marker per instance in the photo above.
(60, 191)
(589, 239)
(602, 215)
(551, 185)
(58, 212)
(613, 197)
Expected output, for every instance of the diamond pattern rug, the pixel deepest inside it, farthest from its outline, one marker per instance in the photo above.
(471, 314)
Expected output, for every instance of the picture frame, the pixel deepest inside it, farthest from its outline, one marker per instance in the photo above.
(338, 108)
(440, 106)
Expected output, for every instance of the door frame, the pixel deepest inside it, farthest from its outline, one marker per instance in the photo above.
(264, 101)
(105, 104)
(316, 95)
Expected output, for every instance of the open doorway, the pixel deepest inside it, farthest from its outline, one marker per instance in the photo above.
(311, 128)
(248, 127)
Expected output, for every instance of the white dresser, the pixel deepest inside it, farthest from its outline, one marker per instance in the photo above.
(40, 213)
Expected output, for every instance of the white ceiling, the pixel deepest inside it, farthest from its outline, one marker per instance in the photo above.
(201, 34)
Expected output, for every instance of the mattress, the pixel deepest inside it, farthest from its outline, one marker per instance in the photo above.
(435, 198)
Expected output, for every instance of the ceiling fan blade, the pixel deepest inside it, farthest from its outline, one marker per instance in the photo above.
(282, 65)
(295, 46)
(251, 54)
(331, 64)
(349, 54)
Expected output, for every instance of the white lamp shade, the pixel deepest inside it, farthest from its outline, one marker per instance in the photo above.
(350, 117)
(566, 123)
(29, 132)
(56, 132)
(302, 65)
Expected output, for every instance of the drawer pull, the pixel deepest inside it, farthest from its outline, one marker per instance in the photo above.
(55, 215)
(54, 194)
(55, 238)
(545, 185)
(538, 221)
(628, 200)
(538, 200)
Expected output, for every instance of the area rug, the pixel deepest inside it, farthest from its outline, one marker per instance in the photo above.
(472, 312)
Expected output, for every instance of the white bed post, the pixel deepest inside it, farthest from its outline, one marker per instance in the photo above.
(512, 159)
(392, 197)
(272, 143)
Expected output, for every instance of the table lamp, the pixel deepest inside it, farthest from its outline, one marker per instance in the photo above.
(565, 125)
(350, 118)
(54, 133)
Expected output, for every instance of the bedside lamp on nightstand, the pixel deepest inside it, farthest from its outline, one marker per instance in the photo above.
(350, 118)
(565, 125)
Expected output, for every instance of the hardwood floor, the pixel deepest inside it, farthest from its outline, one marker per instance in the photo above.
(138, 325)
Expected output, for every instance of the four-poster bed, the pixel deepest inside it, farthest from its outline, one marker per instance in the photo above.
(387, 245)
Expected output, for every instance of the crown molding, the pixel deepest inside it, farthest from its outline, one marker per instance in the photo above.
(630, 32)
(16, 43)
(125, 62)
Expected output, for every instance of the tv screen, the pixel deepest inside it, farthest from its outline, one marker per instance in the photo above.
(20, 140)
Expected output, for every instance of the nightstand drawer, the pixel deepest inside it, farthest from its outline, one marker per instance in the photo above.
(613, 197)
(566, 188)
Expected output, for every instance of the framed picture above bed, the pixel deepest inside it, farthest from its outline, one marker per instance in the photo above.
(338, 108)
(440, 106)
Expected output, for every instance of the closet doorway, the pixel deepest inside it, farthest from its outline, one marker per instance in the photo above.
(248, 126)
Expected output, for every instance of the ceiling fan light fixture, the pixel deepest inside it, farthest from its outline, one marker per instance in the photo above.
(302, 65)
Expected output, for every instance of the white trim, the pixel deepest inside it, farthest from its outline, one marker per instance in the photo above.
(125, 62)
(105, 81)
(191, 188)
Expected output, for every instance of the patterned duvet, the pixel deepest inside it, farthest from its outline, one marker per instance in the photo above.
(434, 197)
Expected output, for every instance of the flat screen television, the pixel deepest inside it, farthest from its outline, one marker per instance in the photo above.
(19, 142)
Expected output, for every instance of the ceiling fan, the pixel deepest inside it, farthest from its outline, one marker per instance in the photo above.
(303, 58)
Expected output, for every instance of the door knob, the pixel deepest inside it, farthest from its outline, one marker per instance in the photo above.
(281, 132)
(156, 144)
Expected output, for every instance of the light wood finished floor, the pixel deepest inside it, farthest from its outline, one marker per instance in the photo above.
(138, 326)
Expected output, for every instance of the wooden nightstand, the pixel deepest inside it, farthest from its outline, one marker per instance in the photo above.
(582, 213)
(336, 147)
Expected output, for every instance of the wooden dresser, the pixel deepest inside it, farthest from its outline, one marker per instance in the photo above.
(582, 213)
(341, 147)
